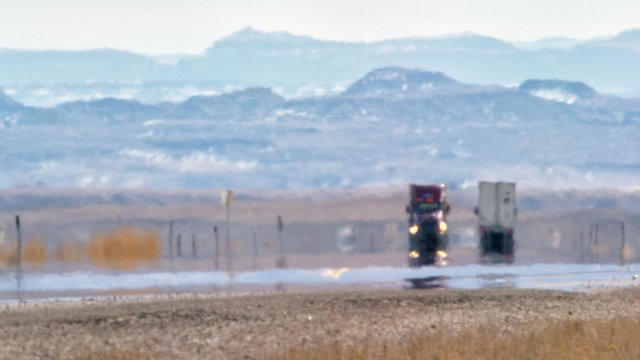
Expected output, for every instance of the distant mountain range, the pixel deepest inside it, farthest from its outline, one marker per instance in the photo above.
(299, 66)
(384, 92)
(394, 125)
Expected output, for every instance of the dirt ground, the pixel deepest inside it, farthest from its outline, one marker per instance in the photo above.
(265, 325)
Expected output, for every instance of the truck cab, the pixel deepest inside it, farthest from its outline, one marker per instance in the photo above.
(428, 229)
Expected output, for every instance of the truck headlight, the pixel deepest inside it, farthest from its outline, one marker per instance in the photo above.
(442, 226)
(414, 254)
(413, 229)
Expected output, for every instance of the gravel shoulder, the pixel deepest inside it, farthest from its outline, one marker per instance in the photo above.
(260, 325)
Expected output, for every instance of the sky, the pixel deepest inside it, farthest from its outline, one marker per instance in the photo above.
(190, 26)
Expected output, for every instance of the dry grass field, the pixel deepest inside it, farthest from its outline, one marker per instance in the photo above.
(551, 339)
(411, 324)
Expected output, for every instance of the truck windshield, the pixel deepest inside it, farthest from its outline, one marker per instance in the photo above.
(426, 208)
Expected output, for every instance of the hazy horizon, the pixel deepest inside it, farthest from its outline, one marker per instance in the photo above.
(162, 27)
(275, 31)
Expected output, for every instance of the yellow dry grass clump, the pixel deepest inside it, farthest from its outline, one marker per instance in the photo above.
(70, 252)
(7, 255)
(124, 248)
(34, 253)
(568, 339)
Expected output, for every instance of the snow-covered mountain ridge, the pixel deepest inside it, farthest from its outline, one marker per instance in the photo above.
(393, 125)
(301, 66)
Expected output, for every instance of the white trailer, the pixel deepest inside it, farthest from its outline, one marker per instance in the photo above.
(496, 212)
(496, 204)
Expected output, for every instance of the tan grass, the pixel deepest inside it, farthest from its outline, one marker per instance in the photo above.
(35, 253)
(568, 339)
(70, 252)
(125, 248)
(8, 255)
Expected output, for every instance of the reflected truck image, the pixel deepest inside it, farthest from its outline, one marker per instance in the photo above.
(428, 229)
(496, 212)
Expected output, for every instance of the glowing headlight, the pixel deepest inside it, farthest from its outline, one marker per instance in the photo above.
(442, 226)
(414, 229)
(414, 254)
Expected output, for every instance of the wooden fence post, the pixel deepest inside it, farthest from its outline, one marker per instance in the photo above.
(282, 260)
(19, 259)
(581, 246)
(623, 244)
(595, 243)
(255, 248)
(226, 199)
(372, 245)
(591, 243)
(217, 248)
(179, 245)
(194, 249)
(171, 245)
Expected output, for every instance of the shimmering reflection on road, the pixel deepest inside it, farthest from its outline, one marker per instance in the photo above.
(570, 277)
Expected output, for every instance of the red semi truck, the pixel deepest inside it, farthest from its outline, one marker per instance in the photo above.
(428, 229)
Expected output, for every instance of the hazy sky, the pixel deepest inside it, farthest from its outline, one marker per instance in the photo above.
(190, 26)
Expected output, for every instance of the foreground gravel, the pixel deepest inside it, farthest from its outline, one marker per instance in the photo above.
(259, 326)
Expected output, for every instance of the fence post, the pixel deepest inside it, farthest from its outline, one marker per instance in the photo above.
(171, 246)
(217, 248)
(595, 243)
(282, 260)
(194, 249)
(591, 243)
(623, 244)
(581, 246)
(255, 248)
(372, 245)
(226, 199)
(19, 259)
